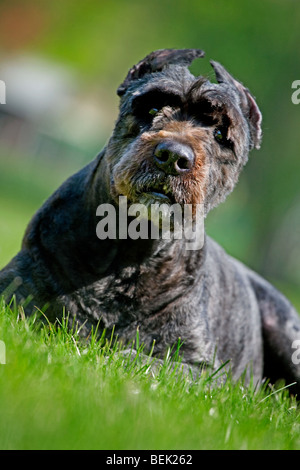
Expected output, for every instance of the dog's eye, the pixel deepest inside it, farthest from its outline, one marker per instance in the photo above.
(153, 111)
(146, 106)
(218, 135)
(221, 138)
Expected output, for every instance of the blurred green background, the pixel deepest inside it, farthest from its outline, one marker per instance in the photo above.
(62, 62)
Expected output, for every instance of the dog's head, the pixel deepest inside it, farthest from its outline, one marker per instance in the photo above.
(180, 138)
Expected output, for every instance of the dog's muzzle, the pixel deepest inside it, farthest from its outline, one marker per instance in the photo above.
(174, 158)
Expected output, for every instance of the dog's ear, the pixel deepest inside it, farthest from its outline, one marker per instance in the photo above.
(157, 61)
(248, 103)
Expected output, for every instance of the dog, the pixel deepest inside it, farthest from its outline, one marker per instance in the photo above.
(179, 139)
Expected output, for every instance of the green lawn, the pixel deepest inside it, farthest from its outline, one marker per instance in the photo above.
(57, 392)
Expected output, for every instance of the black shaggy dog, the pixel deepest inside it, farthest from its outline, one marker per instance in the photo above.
(179, 139)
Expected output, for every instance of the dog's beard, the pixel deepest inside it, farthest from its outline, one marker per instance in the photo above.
(143, 186)
(155, 192)
(153, 200)
(136, 177)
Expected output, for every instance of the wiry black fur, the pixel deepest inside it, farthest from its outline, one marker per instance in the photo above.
(218, 307)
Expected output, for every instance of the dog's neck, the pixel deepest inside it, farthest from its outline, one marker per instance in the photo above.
(98, 192)
(84, 259)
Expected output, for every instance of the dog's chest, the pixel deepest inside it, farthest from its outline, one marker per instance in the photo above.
(143, 295)
(132, 294)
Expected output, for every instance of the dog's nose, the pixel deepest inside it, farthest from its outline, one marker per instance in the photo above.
(174, 158)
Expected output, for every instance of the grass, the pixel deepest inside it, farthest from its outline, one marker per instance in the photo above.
(60, 392)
